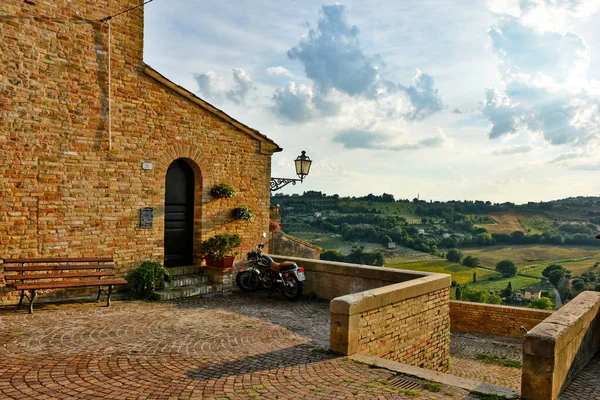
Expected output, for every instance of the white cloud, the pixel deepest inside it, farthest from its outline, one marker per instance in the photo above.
(525, 148)
(364, 139)
(334, 61)
(214, 87)
(279, 71)
(299, 103)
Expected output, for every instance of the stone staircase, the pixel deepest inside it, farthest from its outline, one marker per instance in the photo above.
(188, 282)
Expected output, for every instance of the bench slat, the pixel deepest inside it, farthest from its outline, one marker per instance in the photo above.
(53, 276)
(55, 260)
(57, 267)
(72, 284)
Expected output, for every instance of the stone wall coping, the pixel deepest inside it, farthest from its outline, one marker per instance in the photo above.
(548, 337)
(371, 299)
(391, 275)
(302, 242)
(512, 309)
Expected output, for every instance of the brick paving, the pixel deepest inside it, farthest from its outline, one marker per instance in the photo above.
(241, 347)
(586, 385)
(465, 347)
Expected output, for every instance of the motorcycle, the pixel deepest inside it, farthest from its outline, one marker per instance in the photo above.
(264, 272)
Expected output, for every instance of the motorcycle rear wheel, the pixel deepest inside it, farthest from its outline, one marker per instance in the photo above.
(247, 281)
(292, 288)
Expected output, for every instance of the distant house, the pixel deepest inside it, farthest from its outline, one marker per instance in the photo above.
(318, 215)
(532, 294)
(391, 245)
(421, 231)
(446, 235)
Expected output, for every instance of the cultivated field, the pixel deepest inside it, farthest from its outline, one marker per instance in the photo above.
(507, 222)
(532, 259)
(460, 273)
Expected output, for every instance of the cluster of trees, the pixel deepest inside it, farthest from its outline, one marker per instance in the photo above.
(466, 293)
(357, 255)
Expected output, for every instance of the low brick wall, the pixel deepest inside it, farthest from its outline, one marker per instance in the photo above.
(492, 319)
(389, 313)
(556, 350)
(292, 246)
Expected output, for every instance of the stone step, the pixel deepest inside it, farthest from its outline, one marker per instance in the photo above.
(186, 280)
(187, 270)
(188, 291)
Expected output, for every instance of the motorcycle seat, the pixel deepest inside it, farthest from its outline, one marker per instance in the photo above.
(283, 266)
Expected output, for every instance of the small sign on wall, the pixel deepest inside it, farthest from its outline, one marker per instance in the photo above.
(147, 165)
(146, 216)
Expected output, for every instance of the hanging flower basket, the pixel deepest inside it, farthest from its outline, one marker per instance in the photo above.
(243, 213)
(274, 226)
(223, 191)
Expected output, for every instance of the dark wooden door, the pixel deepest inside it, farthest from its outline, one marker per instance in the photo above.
(179, 214)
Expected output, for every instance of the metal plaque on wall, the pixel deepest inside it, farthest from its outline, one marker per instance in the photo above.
(146, 215)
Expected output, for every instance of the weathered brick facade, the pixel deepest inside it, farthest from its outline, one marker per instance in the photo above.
(413, 331)
(66, 187)
(493, 319)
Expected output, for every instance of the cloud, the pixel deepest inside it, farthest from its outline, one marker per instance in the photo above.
(214, 88)
(300, 104)
(457, 111)
(210, 85)
(332, 56)
(524, 50)
(242, 85)
(504, 117)
(514, 150)
(564, 157)
(279, 71)
(547, 90)
(363, 139)
(334, 61)
(424, 97)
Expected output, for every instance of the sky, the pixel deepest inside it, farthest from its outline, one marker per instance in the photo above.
(465, 100)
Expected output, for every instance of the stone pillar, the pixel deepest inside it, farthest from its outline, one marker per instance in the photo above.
(219, 276)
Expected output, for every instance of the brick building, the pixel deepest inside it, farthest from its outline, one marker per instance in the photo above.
(74, 176)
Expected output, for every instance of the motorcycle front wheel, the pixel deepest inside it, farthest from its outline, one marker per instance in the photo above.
(292, 287)
(247, 281)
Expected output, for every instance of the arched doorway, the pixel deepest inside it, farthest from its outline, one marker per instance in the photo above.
(179, 214)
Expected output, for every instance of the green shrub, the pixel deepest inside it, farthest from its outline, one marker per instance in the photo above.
(223, 190)
(543, 303)
(454, 255)
(243, 213)
(507, 268)
(147, 278)
(219, 245)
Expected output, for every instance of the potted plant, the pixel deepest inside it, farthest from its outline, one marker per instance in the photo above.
(223, 191)
(217, 249)
(243, 213)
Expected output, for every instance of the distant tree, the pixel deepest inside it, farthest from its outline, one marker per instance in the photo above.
(459, 292)
(454, 255)
(474, 277)
(578, 284)
(385, 240)
(333, 255)
(471, 261)
(550, 268)
(507, 268)
(543, 303)
(597, 289)
(555, 276)
(453, 284)
(508, 291)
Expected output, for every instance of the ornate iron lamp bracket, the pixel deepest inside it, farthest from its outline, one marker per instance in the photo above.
(278, 183)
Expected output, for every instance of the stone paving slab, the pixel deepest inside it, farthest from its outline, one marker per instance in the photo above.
(465, 347)
(586, 385)
(237, 347)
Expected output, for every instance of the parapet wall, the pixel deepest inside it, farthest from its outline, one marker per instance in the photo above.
(557, 349)
(493, 319)
(389, 313)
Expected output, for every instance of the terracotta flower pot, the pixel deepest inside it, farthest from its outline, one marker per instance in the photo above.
(223, 263)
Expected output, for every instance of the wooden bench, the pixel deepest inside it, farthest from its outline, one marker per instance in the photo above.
(32, 274)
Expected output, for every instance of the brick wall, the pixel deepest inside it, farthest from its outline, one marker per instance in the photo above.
(493, 319)
(63, 190)
(287, 245)
(414, 331)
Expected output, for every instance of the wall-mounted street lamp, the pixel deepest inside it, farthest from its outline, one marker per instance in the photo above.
(303, 163)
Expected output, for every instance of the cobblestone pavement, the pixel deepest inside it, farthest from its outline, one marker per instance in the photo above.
(238, 347)
(587, 384)
(481, 357)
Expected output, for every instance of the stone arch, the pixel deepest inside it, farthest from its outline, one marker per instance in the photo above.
(194, 159)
